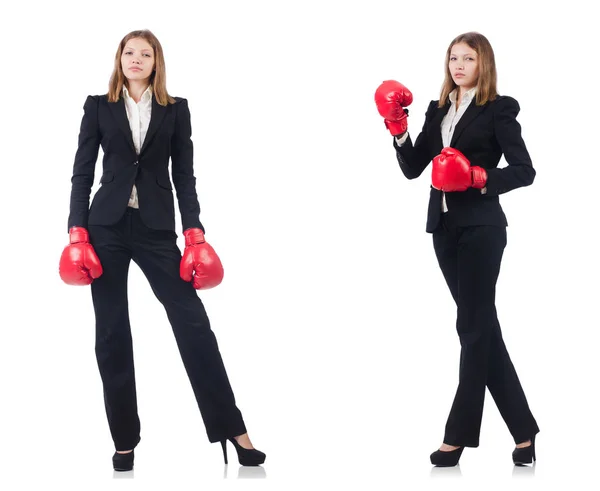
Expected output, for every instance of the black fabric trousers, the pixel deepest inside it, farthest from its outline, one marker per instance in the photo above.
(470, 258)
(157, 255)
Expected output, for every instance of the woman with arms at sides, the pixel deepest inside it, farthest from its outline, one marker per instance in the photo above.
(132, 217)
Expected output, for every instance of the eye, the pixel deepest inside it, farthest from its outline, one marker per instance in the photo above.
(148, 55)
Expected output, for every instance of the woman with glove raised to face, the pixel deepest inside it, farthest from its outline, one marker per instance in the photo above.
(465, 133)
(140, 126)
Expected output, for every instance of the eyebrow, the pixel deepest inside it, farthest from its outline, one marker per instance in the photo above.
(467, 54)
(129, 47)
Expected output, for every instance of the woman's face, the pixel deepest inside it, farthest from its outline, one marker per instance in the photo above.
(137, 59)
(464, 66)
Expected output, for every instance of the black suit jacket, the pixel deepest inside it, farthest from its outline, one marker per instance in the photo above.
(169, 136)
(482, 134)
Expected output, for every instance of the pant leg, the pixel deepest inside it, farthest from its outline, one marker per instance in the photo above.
(114, 352)
(501, 377)
(505, 387)
(445, 244)
(470, 260)
(157, 254)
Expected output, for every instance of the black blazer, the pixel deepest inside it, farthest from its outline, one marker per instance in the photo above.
(482, 134)
(169, 135)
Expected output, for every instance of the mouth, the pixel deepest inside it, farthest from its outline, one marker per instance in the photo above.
(135, 69)
(459, 75)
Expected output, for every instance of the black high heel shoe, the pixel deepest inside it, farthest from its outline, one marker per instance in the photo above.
(123, 461)
(246, 456)
(525, 455)
(440, 458)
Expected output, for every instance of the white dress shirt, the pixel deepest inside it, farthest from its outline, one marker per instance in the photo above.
(449, 122)
(138, 115)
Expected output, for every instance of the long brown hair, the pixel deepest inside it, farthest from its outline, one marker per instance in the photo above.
(158, 79)
(486, 83)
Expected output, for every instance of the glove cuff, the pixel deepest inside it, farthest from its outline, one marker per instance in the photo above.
(479, 175)
(396, 128)
(193, 236)
(78, 234)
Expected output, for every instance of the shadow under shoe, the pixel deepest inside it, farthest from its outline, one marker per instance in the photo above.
(525, 455)
(246, 456)
(446, 459)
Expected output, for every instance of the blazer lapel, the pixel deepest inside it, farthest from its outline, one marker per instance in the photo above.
(156, 118)
(120, 114)
(436, 123)
(470, 114)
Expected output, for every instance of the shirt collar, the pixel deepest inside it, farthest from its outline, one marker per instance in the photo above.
(467, 97)
(147, 95)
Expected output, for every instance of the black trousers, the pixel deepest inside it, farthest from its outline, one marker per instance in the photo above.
(157, 254)
(470, 258)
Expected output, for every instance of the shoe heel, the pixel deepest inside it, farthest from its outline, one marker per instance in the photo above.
(224, 446)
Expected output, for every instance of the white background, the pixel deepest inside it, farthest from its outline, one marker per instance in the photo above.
(334, 321)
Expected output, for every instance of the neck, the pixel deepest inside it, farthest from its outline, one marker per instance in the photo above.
(136, 88)
(462, 91)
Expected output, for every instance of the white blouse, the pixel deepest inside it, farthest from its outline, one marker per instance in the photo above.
(138, 115)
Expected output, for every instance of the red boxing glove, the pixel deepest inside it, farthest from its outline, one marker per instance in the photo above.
(479, 175)
(452, 171)
(79, 264)
(391, 98)
(200, 262)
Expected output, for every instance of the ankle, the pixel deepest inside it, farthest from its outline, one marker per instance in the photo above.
(244, 441)
(524, 444)
(448, 448)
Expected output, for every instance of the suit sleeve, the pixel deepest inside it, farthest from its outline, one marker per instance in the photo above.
(182, 169)
(85, 164)
(520, 171)
(413, 159)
